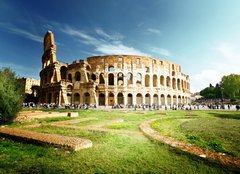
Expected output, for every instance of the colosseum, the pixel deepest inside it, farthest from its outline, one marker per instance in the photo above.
(123, 80)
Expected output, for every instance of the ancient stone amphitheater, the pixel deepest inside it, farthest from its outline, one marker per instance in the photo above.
(125, 80)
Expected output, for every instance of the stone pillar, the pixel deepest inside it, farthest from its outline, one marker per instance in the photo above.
(106, 98)
(151, 98)
(60, 97)
(125, 98)
(143, 99)
(134, 98)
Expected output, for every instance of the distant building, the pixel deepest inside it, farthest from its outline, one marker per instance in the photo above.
(111, 80)
(28, 84)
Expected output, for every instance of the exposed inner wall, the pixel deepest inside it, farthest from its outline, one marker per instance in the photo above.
(112, 80)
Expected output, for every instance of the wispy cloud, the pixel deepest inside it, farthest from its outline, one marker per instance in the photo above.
(21, 32)
(161, 51)
(22, 71)
(154, 31)
(103, 42)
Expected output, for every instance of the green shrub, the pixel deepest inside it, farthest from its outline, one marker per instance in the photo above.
(11, 95)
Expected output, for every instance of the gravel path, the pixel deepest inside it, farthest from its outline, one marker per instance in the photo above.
(204, 153)
(72, 143)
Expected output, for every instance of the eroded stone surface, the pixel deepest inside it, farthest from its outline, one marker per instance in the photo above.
(72, 143)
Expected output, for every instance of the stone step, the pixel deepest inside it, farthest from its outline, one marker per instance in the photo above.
(70, 143)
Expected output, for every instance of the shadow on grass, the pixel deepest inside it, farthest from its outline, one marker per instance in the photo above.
(228, 116)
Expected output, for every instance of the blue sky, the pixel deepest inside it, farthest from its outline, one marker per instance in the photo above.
(202, 36)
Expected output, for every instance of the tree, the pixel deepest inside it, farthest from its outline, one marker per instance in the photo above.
(208, 92)
(11, 95)
(231, 86)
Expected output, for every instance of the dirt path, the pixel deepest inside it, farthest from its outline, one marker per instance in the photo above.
(204, 153)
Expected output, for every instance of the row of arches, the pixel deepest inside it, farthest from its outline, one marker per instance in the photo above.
(110, 99)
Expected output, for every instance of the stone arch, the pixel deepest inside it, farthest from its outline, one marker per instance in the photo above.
(154, 80)
(110, 79)
(63, 71)
(155, 99)
(76, 99)
(169, 100)
(147, 99)
(163, 99)
(179, 100)
(178, 84)
(162, 80)
(139, 99)
(77, 76)
(129, 78)
(111, 68)
(93, 77)
(175, 100)
(147, 80)
(110, 99)
(130, 99)
(69, 88)
(101, 79)
(86, 98)
(101, 99)
(139, 79)
(120, 79)
(120, 99)
(174, 83)
(168, 82)
(70, 77)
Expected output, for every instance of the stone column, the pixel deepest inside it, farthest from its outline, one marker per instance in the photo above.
(106, 98)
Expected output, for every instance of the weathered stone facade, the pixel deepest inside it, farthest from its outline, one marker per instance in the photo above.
(111, 80)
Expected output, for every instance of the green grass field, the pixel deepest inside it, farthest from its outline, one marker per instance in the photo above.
(121, 152)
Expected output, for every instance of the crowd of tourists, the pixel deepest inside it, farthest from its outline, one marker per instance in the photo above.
(194, 106)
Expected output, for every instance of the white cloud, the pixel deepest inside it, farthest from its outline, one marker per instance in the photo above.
(104, 43)
(204, 78)
(154, 31)
(161, 51)
(21, 32)
(227, 61)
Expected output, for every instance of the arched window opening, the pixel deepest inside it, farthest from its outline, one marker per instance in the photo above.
(139, 99)
(93, 77)
(120, 99)
(162, 80)
(69, 88)
(139, 79)
(130, 99)
(147, 81)
(63, 71)
(120, 79)
(69, 97)
(174, 83)
(147, 99)
(169, 100)
(155, 99)
(110, 99)
(77, 76)
(76, 98)
(86, 98)
(110, 79)
(129, 78)
(70, 77)
(168, 82)
(101, 99)
(163, 100)
(111, 68)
